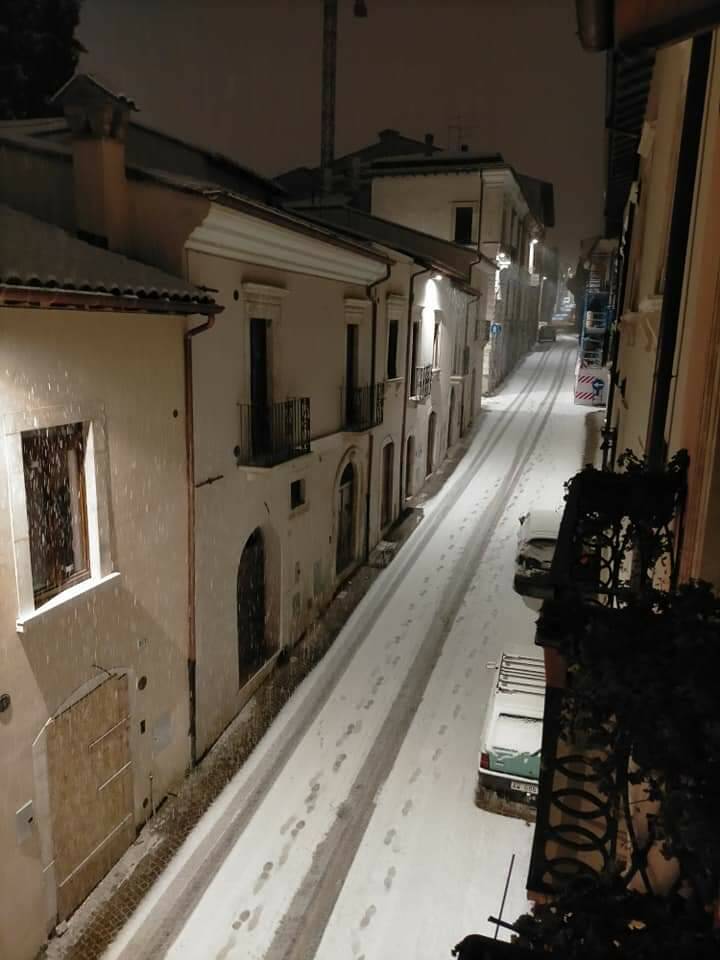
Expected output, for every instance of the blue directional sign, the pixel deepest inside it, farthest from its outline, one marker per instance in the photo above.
(495, 328)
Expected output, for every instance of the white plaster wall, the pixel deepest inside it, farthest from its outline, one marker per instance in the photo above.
(308, 333)
(132, 366)
(425, 202)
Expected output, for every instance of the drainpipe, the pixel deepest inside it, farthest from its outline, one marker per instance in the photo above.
(190, 461)
(677, 246)
(370, 289)
(406, 385)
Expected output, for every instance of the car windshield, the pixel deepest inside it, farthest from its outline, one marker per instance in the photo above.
(516, 746)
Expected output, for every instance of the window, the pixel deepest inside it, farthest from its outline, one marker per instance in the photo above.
(297, 494)
(463, 230)
(54, 470)
(436, 346)
(392, 349)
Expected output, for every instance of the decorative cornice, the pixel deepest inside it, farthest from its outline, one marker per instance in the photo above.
(236, 235)
(264, 291)
(395, 305)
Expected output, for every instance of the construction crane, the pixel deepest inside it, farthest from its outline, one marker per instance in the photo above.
(329, 75)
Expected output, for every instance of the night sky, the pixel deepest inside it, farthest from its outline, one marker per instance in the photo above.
(244, 78)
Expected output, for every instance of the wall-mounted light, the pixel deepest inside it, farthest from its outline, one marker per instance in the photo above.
(437, 276)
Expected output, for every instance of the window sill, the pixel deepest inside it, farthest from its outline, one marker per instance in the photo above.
(62, 599)
(299, 510)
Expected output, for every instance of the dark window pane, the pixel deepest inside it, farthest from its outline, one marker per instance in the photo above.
(297, 493)
(53, 462)
(463, 224)
(392, 350)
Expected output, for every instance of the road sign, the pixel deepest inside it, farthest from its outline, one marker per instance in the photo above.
(495, 328)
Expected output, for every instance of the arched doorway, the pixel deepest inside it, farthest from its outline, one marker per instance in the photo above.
(451, 418)
(345, 517)
(388, 464)
(409, 466)
(252, 647)
(430, 457)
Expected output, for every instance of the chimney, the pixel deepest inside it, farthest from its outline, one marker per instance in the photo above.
(429, 139)
(98, 121)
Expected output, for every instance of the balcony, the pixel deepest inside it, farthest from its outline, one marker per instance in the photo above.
(362, 407)
(273, 434)
(421, 382)
(617, 552)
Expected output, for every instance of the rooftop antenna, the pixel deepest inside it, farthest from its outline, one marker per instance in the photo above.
(329, 76)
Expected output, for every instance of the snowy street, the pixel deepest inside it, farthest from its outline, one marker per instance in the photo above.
(351, 832)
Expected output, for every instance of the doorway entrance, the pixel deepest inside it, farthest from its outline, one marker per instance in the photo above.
(430, 456)
(252, 648)
(451, 418)
(472, 396)
(387, 484)
(345, 517)
(409, 466)
(90, 784)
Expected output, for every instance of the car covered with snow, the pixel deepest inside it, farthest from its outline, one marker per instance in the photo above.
(546, 332)
(511, 740)
(535, 550)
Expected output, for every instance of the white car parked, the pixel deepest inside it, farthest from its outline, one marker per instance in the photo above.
(536, 547)
(509, 760)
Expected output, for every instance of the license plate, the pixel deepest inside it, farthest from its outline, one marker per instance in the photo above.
(524, 787)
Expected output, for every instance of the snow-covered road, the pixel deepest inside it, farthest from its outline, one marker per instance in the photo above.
(351, 832)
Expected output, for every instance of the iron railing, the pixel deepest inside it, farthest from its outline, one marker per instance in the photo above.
(274, 433)
(421, 383)
(618, 541)
(363, 407)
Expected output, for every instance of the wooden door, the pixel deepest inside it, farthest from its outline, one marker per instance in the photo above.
(91, 790)
(387, 484)
(252, 651)
(409, 466)
(430, 455)
(346, 509)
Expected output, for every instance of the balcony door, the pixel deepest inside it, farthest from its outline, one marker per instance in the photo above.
(259, 385)
(351, 366)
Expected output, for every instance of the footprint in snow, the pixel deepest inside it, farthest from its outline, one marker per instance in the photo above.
(255, 918)
(390, 836)
(288, 823)
(389, 877)
(407, 807)
(368, 915)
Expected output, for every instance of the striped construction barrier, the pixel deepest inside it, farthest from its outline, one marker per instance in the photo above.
(590, 384)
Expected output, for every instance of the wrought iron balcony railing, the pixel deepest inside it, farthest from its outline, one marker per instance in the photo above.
(421, 382)
(618, 542)
(362, 407)
(274, 433)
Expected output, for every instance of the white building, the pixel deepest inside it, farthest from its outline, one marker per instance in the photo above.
(481, 202)
(93, 564)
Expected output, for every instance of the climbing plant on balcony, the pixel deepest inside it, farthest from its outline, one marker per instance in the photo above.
(644, 684)
(598, 918)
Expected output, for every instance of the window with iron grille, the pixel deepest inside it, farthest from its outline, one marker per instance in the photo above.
(54, 470)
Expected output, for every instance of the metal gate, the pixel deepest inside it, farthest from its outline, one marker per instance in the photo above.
(91, 790)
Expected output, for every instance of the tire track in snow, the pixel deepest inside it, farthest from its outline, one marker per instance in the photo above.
(299, 934)
(160, 922)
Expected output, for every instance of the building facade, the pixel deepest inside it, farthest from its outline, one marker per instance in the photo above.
(94, 564)
(479, 202)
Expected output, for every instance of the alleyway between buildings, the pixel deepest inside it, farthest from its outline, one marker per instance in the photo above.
(351, 830)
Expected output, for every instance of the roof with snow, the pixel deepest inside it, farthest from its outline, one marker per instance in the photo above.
(40, 256)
